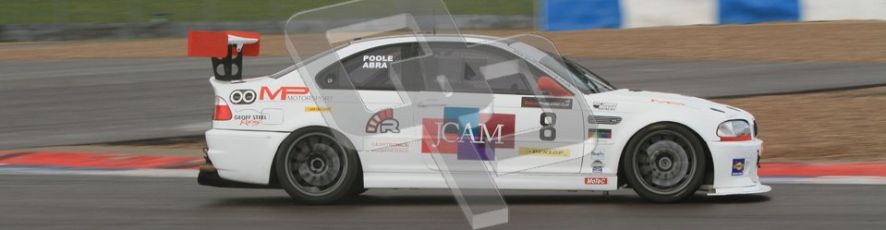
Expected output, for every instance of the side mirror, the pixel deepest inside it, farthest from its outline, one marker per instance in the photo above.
(548, 86)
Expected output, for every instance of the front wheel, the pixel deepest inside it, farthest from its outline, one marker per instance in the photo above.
(316, 168)
(665, 163)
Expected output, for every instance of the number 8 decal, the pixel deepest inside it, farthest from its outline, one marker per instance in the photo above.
(547, 131)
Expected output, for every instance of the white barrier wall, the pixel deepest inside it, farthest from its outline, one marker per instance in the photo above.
(587, 14)
(646, 13)
(827, 10)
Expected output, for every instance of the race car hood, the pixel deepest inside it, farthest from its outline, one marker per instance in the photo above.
(677, 100)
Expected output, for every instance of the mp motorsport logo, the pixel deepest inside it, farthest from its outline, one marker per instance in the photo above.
(248, 96)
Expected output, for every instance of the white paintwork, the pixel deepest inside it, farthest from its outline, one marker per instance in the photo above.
(244, 156)
(645, 13)
(245, 153)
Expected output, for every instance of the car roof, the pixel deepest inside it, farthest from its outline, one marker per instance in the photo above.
(402, 38)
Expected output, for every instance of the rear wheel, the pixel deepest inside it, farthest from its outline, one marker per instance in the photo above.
(316, 168)
(665, 163)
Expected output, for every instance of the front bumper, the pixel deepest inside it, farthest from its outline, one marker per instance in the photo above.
(735, 168)
(757, 188)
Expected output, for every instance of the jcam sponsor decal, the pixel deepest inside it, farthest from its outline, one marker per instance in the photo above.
(738, 166)
(383, 122)
(468, 133)
(546, 102)
(596, 180)
(543, 152)
(251, 117)
(282, 93)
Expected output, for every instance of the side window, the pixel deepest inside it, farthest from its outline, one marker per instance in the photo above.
(519, 81)
(512, 84)
(456, 72)
(368, 70)
(480, 69)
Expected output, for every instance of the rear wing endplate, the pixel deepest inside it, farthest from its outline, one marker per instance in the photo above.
(226, 49)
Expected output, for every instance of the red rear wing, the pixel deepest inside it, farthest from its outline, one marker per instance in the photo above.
(226, 48)
(215, 44)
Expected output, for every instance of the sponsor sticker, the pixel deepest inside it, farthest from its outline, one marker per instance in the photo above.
(313, 109)
(461, 132)
(596, 180)
(738, 166)
(251, 117)
(242, 97)
(383, 122)
(546, 102)
(597, 166)
(388, 146)
(667, 102)
(308, 98)
(606, 106)
(600, 133)
(543, 152)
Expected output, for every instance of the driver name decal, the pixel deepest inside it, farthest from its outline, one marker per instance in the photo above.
(377, 61)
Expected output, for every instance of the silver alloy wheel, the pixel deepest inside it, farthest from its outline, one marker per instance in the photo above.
(316, 164)
(664, 161)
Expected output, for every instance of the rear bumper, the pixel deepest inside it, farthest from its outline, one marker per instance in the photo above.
(242, 156)
(211, 178)
(735, 167)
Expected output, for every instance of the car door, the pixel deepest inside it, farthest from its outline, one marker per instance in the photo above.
(514, 136)
(550, 134)
(369, 94)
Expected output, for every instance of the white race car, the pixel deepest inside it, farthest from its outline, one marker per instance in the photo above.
(366, 115)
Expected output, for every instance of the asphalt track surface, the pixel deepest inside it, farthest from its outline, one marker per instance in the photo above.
(115, 202)
(61, 102)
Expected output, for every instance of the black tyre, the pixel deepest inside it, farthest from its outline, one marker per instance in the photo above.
(316, 168)
(665, 162)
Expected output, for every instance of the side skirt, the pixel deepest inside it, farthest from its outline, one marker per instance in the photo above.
(593, 182)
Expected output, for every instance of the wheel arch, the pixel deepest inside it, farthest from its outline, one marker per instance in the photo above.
(709, 167)
(300, 131)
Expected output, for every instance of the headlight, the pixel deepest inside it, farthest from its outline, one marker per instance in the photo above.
(734, 130)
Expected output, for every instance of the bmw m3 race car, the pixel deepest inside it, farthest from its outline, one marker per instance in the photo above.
(401, 111)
